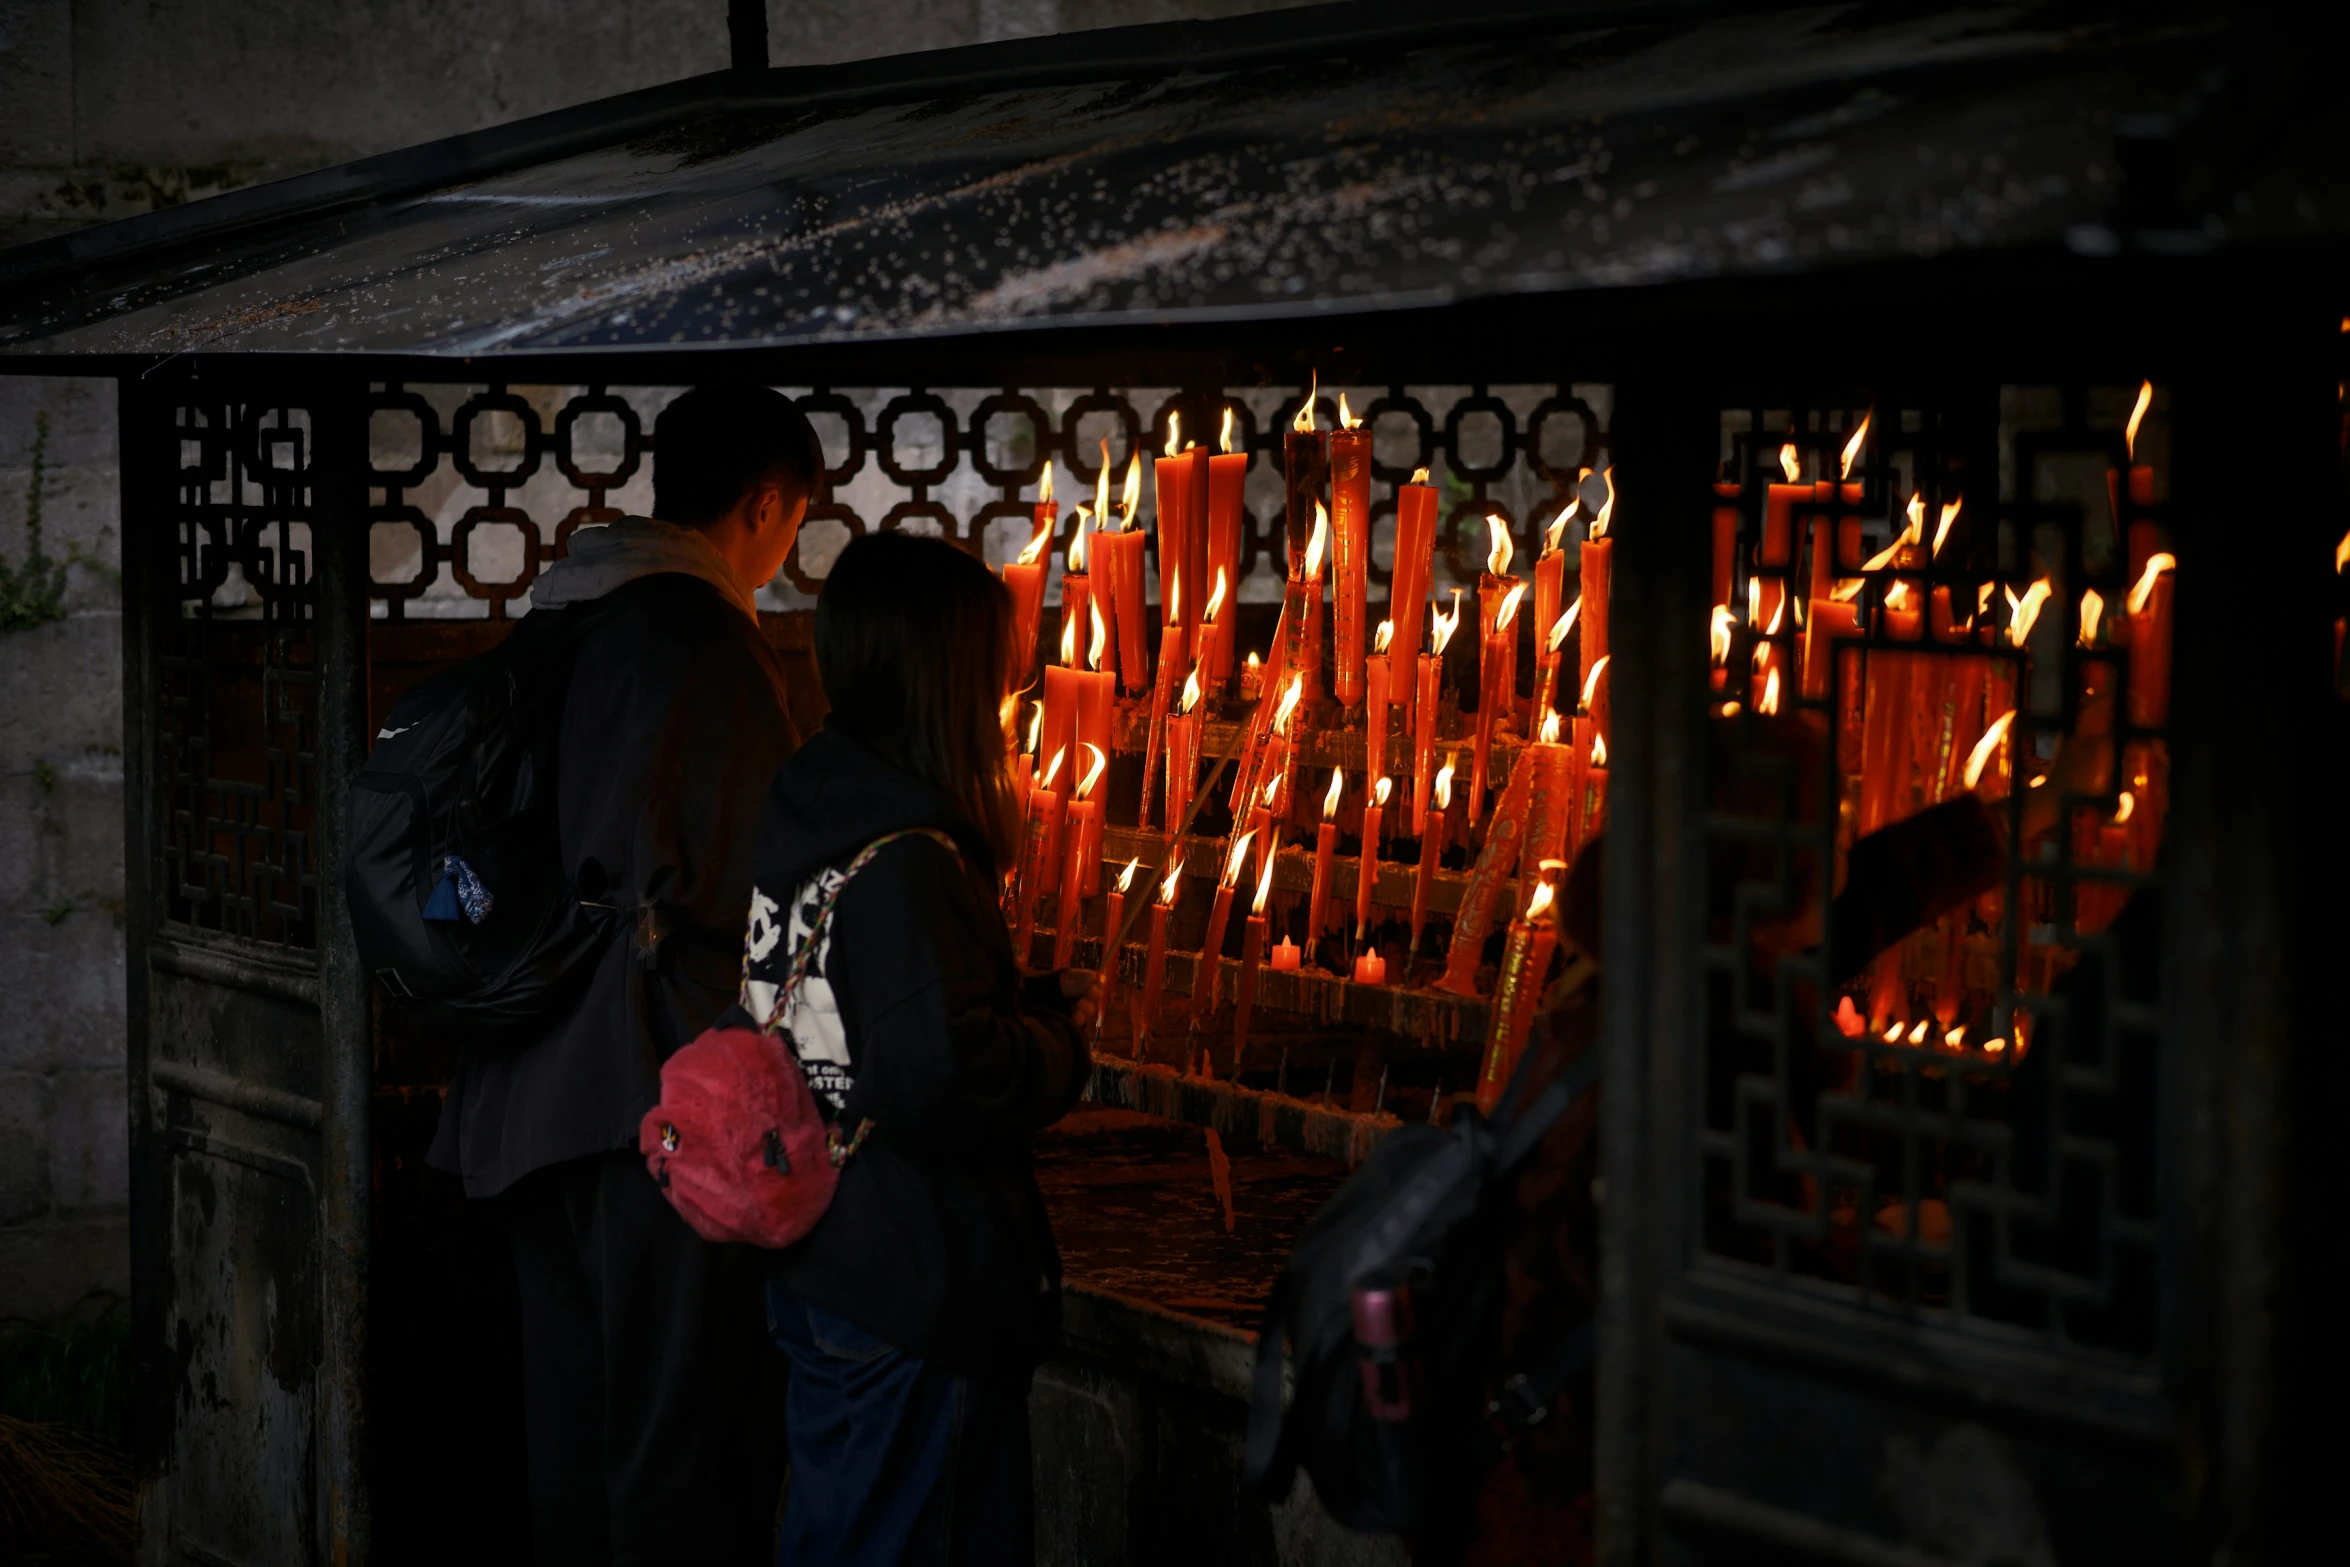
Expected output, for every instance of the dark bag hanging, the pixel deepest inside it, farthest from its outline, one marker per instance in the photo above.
(460, 903)
(1384, 1319)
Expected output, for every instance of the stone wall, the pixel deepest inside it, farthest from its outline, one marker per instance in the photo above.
(110, 108)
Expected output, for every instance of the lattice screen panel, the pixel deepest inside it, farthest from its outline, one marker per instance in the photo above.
(236, 681)
(475, 489)
(1960, 1127)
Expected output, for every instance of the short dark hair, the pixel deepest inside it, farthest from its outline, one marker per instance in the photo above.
(714, 444)
(914, 645)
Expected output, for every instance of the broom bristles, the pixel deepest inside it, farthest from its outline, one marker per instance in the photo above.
(59, 1486)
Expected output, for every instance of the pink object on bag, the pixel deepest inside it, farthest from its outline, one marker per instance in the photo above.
(737, 1144)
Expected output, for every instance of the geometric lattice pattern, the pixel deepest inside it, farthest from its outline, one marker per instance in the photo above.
(475, 489)
(1930, 1077)
(236, 676)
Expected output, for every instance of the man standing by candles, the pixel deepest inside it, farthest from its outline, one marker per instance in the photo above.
(635, 1367)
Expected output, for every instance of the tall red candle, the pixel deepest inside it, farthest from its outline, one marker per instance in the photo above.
(1367, 872)
(1350, 548)
(1211, 952)
(1598, 555)
(2149, 636)
(1432, 833)
(1097, 691)
(1525, 963)
(1227, 485)
(1428, 703)
(1122, 564)
(1499, 646)
(1025, 576)
(1113, 922)
(1306, 651)
(1154, 962)
(1415, 552)
(1376, 698)
(1551, 803)
(1163, 696)
(1182, 753)
(1325, 848)
(1591, 816)
(1215, 635)
(1252, 958)
(1496, 863)
(1039, 866)
(1084, 825)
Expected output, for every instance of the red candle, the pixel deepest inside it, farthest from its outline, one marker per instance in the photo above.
(1227, 483)
(1083, 825)
(1370, 969)
(1431, 852)
(1525, 964)
(1025, 578)
(2149, 634)
(1725, 543)
(1375, 684)
(1498, 659)
(1113, 922)
(1182, 752)
(1211, 952)
(1154, 962)
(1496, 863)
(1076, 589)
(1305, 652)
(1325, 848)
(1162, 698)
(1597, 556)
(1550, 578)
(1428, 703)
(1215, 636)
(1097, 691)
(1350, 546)
(2141, 478)
(1286, 957)
(1551, 803)
(1591, 817)
(1121, 565)
(1039, 865)
(1553, 660)
(1415, 550)
(1367, 869)
(1252, 958)
(1777, 547)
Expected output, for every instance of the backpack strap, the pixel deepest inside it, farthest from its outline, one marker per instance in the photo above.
(805, 954)
(1268, 1464)
(1523, 1130)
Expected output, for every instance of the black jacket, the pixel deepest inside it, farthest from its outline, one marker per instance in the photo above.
(937, 1238)
(674, 726)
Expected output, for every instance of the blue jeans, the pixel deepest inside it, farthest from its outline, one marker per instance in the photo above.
(894, 1460)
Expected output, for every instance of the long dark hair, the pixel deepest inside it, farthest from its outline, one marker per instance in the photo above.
(914, 643)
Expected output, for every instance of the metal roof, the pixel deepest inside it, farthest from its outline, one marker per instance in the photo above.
(1338, 159)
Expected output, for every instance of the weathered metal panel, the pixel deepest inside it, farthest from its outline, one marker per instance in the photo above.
(1572, 151)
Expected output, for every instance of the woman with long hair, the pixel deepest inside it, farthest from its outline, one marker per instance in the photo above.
(916, 1310)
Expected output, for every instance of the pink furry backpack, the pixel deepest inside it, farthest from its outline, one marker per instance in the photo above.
(737, 1143)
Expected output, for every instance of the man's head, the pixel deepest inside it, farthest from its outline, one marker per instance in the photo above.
(740, 463)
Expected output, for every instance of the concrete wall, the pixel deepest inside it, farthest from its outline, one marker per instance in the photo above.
(109, 108)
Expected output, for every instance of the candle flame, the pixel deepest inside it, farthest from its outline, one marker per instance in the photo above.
(1346, 419)
(1444, 784)
(1591, 680)
(1093, 774)
(1779, 617)
(1565, 624)
(1899, 595)
(1508, 612)
(1035, 728)
(1770, 696)
(1175, 430)
(1724, 625)
(1169, 884)
(1893, 1033)
(1497, 559)
(1190, 697)
(1330, 800)
(1441, 626)
(1272, 794)
(1382, 638)
(1992, 1047)
(1550, 727)
(2342, 554)
(1054, 771)
(1303, 424)
(2156, 565)
(1264, 886)
(1599, 750)
(2128, 806)
(1255, 663)
(1044, 484)
(2024, 613)
(1942, 528)
(2137, 417)
(1917, 1035)
(1239, 854)
(1852, 447)
(1380, 792)
(1216, 598)
(1042, 539)
(1607, 508)
(1916, 512)
(1126, 876)
(1101, 635)
(1419, 476)
(1754, 602)
(1068, 642)
(1289, 701)
(2092, 612)
(1101, 488)
(1319, 542)
(1955, 1038)
(1224, 436)
(1130, 501)
(1980, 757)
(1174, 600)
(1538, 906)
(1558, 529)
(1791, 462)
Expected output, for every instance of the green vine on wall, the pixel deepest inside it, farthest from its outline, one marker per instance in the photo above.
(33, 594)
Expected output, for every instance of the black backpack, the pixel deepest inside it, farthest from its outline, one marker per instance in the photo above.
(1387, 1311)
(460, 903)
